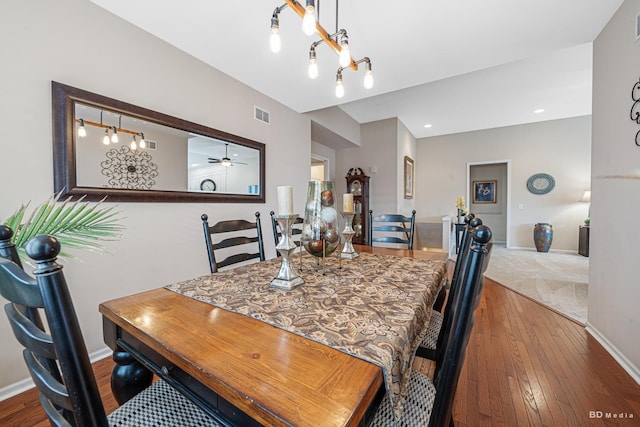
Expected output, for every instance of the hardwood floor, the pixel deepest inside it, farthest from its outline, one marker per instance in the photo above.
(526, 366)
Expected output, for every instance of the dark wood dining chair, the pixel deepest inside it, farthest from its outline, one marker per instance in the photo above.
(384, 224)
(235, 233)
(429, 401)
(296, 230)
(57, 358)
(435, 335)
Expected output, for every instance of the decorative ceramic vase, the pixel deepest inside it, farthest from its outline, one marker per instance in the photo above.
(542, 236)
(320, 229)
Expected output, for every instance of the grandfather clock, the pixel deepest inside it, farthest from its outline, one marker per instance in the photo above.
(358, 185)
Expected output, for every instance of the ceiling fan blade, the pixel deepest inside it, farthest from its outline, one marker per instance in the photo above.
(239, 163)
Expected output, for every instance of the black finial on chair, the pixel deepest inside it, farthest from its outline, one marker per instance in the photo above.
(5, 233)
(204, 217)
(44, 250)
(475, 222)
(468, 218)
(482, 234)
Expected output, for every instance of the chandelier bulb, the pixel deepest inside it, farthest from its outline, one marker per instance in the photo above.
(313, 65)
(339, 86)
(345, 55)
(309, 20)
(275, 42)
(368, 76)
(82, 132)
(105, 138)
(143, 143)
(114, 137)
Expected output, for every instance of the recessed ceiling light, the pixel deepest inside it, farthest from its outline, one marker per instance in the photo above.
(538, 111)
(427, 125)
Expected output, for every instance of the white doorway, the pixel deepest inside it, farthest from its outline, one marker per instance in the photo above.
(320, 168)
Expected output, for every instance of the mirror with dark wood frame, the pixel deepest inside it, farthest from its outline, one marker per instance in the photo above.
(105, 147)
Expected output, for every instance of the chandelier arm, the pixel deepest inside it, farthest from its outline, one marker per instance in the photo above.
(279, 9)
(299, 9)
(100, 125)
(318, 42)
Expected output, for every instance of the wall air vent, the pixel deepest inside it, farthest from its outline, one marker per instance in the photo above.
(151, 145)
(261, 115)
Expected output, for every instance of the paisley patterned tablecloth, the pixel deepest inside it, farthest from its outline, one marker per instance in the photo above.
(376, 307)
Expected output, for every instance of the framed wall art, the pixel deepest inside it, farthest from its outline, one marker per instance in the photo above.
(408, 177)
(484, 191)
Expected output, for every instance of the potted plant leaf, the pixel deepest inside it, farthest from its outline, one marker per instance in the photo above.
(76, 224)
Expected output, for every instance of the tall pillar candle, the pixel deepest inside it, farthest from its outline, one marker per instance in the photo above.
(347, 202)
(285, 200)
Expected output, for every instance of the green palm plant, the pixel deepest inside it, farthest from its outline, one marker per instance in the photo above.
(76, 224)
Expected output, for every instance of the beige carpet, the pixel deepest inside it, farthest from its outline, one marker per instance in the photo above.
(557, 280)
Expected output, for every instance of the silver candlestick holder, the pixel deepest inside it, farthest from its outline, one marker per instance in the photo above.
(287, 277)
(348, 252)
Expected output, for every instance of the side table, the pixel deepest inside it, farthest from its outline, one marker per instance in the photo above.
(583, 240)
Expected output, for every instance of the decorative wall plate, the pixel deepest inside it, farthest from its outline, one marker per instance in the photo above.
(541, 183)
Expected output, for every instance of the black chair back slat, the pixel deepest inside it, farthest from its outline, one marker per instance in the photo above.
(400, 226)
(50, 387)
(236, 258)
(57, 418)
(27, 294)
(231, 226)
(234, 241)
(463, 317)
(28, 334)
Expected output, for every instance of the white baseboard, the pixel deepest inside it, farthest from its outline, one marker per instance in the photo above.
(626, 364)
(524, 248)
(27, 383)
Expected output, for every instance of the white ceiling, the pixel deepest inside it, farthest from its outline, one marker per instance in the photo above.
(459, 65)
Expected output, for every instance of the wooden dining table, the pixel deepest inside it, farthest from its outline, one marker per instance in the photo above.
(243, 370)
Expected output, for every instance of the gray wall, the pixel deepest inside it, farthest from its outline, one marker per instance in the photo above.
(69, 41)
(559, 147)
(614, 287)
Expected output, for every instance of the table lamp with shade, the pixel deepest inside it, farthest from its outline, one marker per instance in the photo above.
(586, 198)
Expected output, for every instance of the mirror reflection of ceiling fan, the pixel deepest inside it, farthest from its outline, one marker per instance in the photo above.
(225, 161)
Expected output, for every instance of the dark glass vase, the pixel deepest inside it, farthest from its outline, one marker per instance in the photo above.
(543, 236)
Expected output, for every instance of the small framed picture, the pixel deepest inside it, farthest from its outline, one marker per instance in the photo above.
(408, 177)
(484, 191)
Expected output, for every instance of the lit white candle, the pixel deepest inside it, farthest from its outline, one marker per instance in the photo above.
(347, 202)
(285, 200)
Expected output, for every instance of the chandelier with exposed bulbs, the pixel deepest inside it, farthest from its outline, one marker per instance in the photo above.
(338, 41)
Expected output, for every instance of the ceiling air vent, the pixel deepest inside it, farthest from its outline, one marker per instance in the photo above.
(151, 145)
(262, 115)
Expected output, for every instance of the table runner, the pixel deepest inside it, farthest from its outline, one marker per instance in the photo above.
(376, 307)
